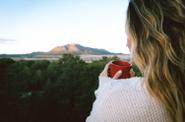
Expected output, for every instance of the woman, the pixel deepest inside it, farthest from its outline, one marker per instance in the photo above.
(156, 37)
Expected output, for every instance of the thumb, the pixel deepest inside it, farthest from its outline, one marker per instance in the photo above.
(118, 74)
(132, 73)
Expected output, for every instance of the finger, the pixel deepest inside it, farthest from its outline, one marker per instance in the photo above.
(105, 70)
(132, 73)
(107, 65)
(118, 74)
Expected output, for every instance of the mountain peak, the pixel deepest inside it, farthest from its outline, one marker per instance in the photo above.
(77, 49)
(69, 48)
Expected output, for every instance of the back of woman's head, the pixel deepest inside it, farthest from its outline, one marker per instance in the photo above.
(157, 32)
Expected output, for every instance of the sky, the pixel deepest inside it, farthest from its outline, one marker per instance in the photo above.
(39, 25)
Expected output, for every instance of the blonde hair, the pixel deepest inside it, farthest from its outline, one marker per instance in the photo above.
(157, 32)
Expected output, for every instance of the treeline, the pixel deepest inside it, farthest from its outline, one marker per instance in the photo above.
(44, 91)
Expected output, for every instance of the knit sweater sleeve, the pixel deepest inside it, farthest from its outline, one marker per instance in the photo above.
(124, 101)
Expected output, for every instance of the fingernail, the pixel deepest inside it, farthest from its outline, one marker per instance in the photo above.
(119, 71)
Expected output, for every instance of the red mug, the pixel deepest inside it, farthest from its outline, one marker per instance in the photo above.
(115, 66)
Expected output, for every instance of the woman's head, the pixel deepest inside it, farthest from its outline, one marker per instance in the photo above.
(156, 29)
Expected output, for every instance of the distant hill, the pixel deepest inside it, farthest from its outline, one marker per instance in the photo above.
(78, 49)
(56, 52)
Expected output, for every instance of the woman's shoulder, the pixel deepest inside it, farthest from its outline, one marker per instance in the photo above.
(134, 84)
(131, 87)
(130, 91)
(131, 84)
(127, 99)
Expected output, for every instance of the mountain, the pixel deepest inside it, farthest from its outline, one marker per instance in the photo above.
(78, 49)
(56, 52)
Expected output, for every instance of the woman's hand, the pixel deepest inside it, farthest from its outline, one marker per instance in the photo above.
(104, 73)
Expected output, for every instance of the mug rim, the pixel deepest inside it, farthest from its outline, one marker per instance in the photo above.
(127, 64)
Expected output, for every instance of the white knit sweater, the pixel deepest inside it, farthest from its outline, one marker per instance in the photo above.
(125, 100)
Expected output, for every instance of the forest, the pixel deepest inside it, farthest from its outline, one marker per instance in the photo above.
(49, 91)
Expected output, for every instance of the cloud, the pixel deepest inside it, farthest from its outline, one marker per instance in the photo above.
(2, 40)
